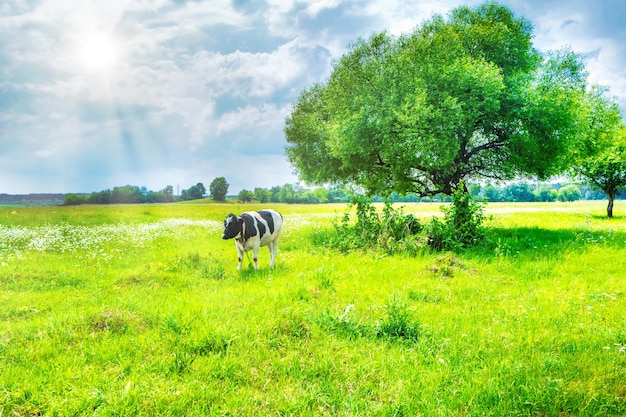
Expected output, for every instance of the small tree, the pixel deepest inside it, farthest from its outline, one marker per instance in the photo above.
(262, 194)
(601, 158)
(219, 189)
(245, 196)
(195, 192)
(608, 173)
(201, 190)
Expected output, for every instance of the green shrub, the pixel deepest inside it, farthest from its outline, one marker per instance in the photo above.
(461, 226)
(390, 230)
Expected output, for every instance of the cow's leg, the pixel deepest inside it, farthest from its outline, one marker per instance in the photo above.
(239, 255)
(255, 255)
(270, 247)
(274, 249)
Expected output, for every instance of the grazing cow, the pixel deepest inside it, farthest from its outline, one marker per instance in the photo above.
(252, 230)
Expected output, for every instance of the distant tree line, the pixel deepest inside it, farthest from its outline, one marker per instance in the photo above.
(132, 194)
(511, 192)
(34, 200)
(522, 192)
(540, 192)
(297, 194)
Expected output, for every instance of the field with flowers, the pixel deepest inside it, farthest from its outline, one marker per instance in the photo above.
(139, 310)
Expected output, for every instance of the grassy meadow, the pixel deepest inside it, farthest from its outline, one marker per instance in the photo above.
(140, 310)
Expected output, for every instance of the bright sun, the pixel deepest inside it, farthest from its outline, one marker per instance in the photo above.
(98, 52)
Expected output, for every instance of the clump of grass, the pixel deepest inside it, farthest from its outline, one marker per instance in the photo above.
(175, 324)
(446, 265)
(181, 361)
(292, 326)
(398, 324)
(345, 325)
(210, 344)
(204, 266)
(424, 297)
(113, 321)
(324, 277)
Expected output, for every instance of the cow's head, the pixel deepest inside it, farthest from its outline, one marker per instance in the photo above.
(232, 226)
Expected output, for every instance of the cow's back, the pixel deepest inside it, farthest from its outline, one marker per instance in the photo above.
(273, 219)
(264, 224)
(273, 222)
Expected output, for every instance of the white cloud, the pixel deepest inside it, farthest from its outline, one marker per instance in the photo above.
(316, 6)
(262, 119)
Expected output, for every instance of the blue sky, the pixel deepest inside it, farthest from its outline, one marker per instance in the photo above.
(167, 92)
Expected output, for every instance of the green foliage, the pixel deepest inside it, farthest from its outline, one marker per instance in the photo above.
(101, 197)
(74, 200)
(262, 195)
(218, 189)
(398, 324)
(166, 195)
(461, 227)
(296, 194)
(391, 230)
(129, 194)
(518, 191)
(457, 99)
(545, 193)
(195, 192)
(245, 196)
(569, 193)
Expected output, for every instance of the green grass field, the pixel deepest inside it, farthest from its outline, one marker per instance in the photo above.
(139, 310)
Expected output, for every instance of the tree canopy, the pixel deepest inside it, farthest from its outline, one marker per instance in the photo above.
(455, 100)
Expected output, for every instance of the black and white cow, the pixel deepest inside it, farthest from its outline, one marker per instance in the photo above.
(252, 230)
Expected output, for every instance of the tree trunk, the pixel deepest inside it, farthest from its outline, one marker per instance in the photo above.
(609, 207)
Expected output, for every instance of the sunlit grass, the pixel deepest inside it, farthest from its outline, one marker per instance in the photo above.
(139, 310)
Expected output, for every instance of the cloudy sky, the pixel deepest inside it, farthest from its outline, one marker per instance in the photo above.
(98, 94)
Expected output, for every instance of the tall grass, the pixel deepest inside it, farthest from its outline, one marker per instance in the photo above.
(139, 310)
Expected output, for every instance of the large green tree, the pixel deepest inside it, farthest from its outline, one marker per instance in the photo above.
(458, 99)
